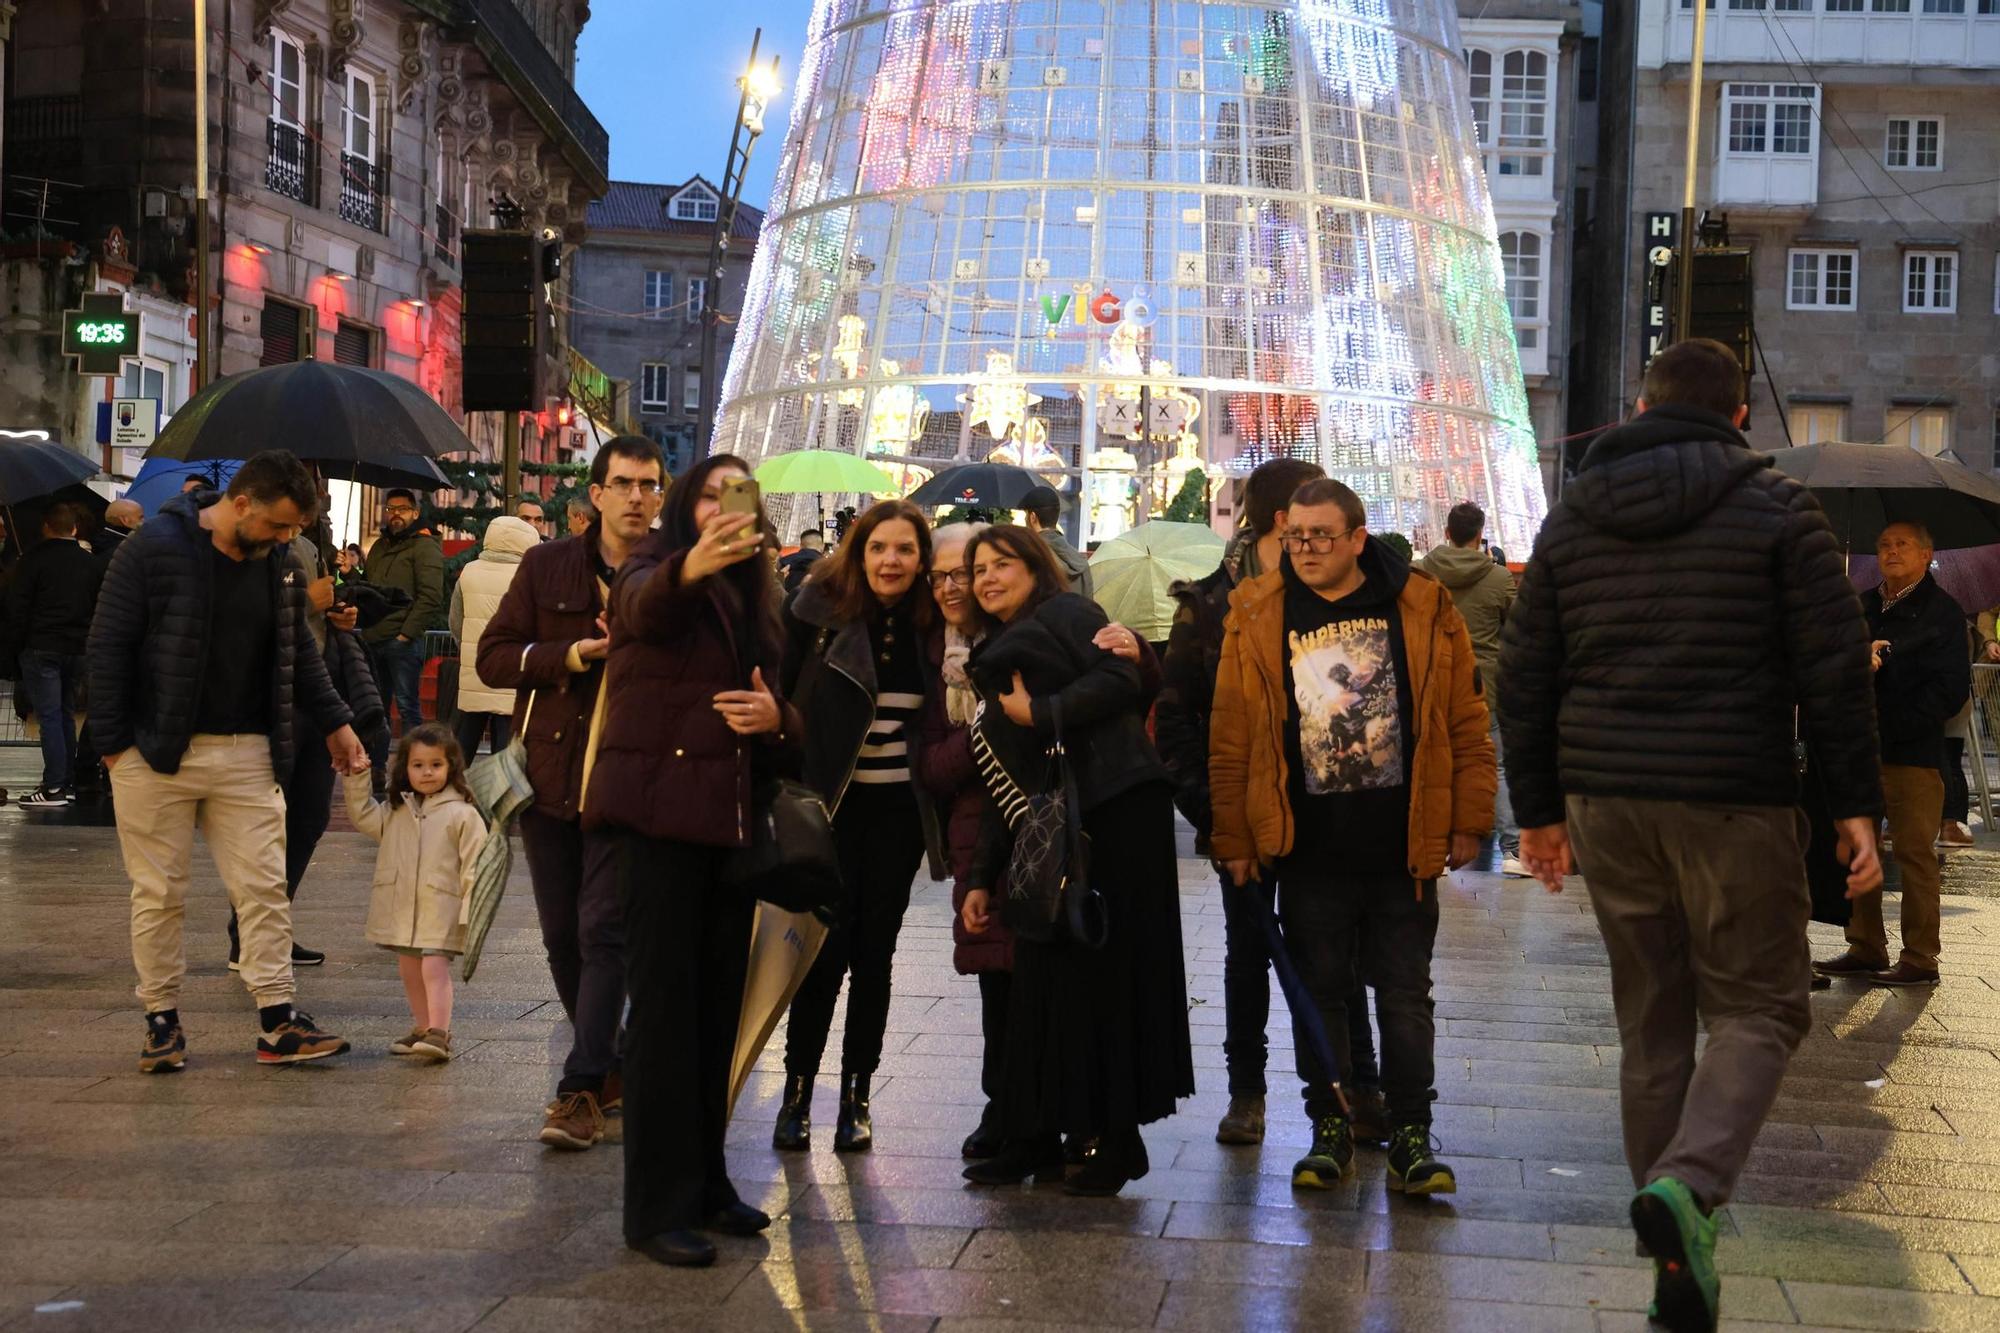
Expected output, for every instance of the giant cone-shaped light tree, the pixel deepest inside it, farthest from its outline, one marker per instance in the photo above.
(1118, 239)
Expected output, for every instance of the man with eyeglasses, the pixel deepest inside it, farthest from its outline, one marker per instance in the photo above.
(1351, 763)
(548, 642)
(406, 558)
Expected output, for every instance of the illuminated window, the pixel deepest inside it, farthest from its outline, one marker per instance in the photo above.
(1817, 423)
(1925, 429)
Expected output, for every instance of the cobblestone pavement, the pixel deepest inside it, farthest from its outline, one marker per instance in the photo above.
(368, 1193)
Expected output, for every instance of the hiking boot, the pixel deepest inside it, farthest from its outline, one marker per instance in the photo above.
(1330, 1160)
(1904, 974)
(574, 1122)
(611, 1102)
(1687, 1294)
(1369, 1116)
(855, 1131)
(793, 1132)
(297, 1041)
(165, 1050)
(434, 1045)
(1243, 1123)
(407, 1045)
(1849, 964)
(1954, 834)
(44, 798)
(1412, 1169)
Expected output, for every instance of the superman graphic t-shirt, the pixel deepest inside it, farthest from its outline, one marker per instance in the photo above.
(1347, 743)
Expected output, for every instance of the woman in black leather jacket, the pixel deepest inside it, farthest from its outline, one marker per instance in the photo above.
(1097, 1039)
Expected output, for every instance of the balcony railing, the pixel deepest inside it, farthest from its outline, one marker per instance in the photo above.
(44, 136)
(504, 32)
(444, 232)
(288, 164)
(362, 187)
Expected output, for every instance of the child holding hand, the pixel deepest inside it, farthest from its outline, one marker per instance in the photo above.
(430, 832)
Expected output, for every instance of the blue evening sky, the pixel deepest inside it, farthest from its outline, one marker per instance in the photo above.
(661, 76)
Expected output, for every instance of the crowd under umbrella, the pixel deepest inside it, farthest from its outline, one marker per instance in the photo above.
(1866, 487)
(35, 473)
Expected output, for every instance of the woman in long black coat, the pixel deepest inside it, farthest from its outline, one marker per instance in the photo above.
(1097, 1039)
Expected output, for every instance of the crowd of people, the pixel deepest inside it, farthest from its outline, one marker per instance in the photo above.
(1328, 717)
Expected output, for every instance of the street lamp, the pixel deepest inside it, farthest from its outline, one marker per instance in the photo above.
(759, 87)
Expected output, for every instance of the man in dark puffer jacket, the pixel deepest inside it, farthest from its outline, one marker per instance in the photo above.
(199, 652)
(1682, 601)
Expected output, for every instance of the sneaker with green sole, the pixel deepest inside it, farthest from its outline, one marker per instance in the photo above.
(1412, 1169)
(1330, 1160)
(1687, 1294)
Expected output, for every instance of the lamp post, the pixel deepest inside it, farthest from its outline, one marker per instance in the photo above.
(759, 85)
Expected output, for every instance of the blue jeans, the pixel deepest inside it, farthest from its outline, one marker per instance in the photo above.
(399, 667)
(50, 679)
(1504, 827)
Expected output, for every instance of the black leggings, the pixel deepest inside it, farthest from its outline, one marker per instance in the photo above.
(881, 844)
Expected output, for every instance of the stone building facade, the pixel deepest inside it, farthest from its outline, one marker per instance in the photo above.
(638, 285)
(1854, 147)
(350, 143)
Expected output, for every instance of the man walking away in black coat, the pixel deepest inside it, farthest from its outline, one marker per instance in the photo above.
(1923, 676)
(48, 607)
(1682, 602)
(201, 660)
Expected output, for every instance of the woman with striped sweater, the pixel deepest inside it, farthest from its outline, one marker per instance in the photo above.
(856, 667)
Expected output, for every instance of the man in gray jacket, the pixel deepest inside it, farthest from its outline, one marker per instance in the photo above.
(1044, 510)
(1482, 591)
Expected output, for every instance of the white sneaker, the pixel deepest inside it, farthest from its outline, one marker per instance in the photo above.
(1511, 867)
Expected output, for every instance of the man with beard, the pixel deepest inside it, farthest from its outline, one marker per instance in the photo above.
(199, 654)
(406, 558)
(547, 642)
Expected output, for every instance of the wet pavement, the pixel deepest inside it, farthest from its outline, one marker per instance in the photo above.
(370, 1193)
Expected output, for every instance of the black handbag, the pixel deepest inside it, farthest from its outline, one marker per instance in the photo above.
(791, 862)
(1049, 896)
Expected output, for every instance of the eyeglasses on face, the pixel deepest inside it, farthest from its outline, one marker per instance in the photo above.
(954, 578)
(1317, 540)
(402, 509)
(647, 486)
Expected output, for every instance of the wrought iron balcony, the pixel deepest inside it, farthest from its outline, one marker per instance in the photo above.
(288, 163)
(534, 76)
(363, 185)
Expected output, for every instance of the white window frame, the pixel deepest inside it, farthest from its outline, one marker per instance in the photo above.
(1535, 325)
(659, 292)
(1928, 263)
(358, 86)
(655, 375)
(1821, 277)
(1919, 426)
(697, 298)
(1481, 81)
(280, 40)
(697, 203)
(1909, 146)
(1527, 151)
(1996, 283)
(1767, 100)
(691, 389)
(1816, 423)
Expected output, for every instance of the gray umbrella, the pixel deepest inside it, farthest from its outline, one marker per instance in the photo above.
(1866, 487)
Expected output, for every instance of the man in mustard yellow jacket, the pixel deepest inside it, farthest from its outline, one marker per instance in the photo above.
(1350, 763)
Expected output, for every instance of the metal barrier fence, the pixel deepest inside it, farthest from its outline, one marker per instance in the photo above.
(1982, 744)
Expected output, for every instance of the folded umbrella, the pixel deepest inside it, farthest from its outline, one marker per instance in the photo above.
(344, 418)
(1866, 487)
(782, 948)
(32, 468)
(1132, 576)
(821, 472)
(990, 485)
(501, 789)
(1305, 1011)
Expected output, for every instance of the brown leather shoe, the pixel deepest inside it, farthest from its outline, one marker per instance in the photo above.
(574, 1122)
(1368, 1115)
(1849, 964)
(612, 1102)
(1902, 974)
(1243, 1123)
(1955, 834)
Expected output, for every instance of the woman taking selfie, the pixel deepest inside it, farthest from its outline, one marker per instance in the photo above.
(855, 664)
(1097, 1037)
(688, 728)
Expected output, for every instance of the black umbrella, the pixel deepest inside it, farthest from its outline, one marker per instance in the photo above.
(348, 420)
(992, 485)
(29, 468)
(1866, 487)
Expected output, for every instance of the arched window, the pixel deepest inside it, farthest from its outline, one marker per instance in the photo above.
(1480, 64)
(1524, 113)
(1521, 255)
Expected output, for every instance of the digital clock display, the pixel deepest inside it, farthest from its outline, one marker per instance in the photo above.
(101, 333)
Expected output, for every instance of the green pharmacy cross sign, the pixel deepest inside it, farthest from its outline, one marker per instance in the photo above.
(100, 335)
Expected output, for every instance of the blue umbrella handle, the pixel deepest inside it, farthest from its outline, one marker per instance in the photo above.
(1305, 1012)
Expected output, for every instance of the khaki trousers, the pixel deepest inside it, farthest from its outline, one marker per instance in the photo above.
(1703, 910)
(1915, 797)
(224, 785)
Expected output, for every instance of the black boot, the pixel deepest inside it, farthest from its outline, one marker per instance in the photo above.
(1039, 1158)
(793, 1132)
(986, 1141)
(1119, 1156)
(855, 1132)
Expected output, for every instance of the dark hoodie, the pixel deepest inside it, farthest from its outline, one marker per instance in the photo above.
(1683, 599)
(1349, 745)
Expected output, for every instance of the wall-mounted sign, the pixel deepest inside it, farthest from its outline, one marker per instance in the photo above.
(1661, 229)
(101, 334)
(135, 422)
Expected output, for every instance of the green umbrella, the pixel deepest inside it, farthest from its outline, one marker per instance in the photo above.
(1133, 575)
(824, 471)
